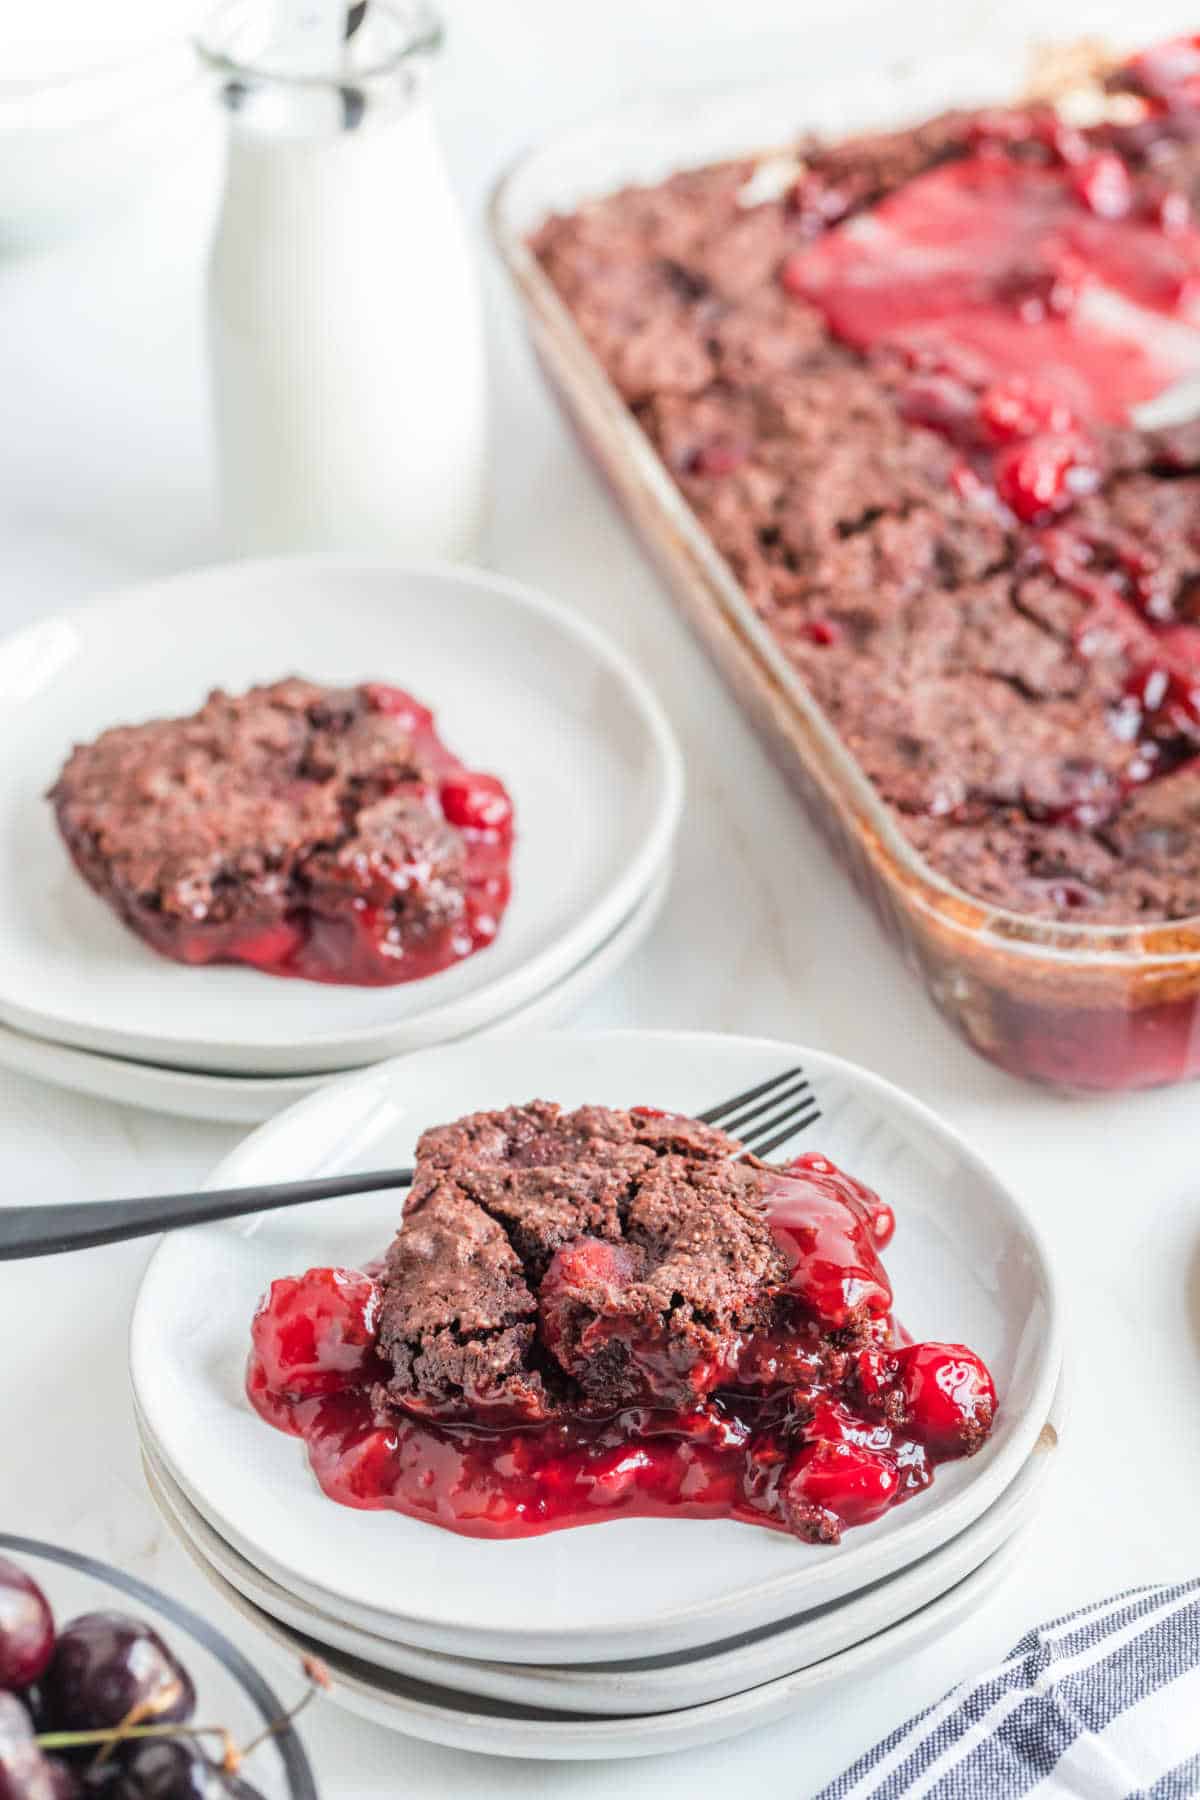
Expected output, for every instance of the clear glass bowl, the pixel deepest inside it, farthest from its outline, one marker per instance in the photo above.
(229, 1689)
(1077, 1006)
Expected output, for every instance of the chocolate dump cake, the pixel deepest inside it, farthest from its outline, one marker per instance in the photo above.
(319, 832)
(598, 1313)
(899, 394)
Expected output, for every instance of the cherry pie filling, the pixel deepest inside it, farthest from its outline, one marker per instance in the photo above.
(821, 1423)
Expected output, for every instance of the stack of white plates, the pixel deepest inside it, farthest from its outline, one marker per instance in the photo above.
(634, 1636)
(519, 686)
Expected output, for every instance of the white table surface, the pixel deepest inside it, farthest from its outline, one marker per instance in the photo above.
(104, 478)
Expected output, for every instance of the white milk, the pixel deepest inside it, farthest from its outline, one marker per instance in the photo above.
(345, 330)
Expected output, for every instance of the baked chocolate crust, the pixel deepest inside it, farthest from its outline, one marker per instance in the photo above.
(581, 1261)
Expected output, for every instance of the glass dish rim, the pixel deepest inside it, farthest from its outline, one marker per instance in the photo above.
(1162, 944)
(262, 1696)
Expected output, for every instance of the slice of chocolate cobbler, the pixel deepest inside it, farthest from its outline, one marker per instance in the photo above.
(594, 1313)
(588, 1260)
(320, 832)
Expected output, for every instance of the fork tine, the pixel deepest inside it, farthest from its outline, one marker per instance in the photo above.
(793, 1126)
(734, 1125)
(715, 1114)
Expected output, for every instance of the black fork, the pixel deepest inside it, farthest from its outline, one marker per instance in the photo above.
(776, 1110)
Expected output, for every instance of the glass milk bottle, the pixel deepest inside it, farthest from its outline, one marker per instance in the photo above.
(344, 318)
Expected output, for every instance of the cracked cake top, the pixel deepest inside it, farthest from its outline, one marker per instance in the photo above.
(590, 1259)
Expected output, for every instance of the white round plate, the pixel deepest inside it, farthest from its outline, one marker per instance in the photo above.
(967, 1264)
(252, 1099)
(519, 686)
(646, 1684)
(439, 1715)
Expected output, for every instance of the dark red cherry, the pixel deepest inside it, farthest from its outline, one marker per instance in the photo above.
(105, 1667)
(25, 1773)
(65, 1784)
(476, 802)
(950, 1398)
(315, 1333)
(26, 1627)
(173, 1769)
(822, 631)
(876, 1374)
(583, 1272)
(1012, 410)
(850, 1480)
(1043, 475)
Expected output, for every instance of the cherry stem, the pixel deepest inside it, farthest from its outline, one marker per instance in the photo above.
(118, 1734)
(317, 1678)
(110, 1736)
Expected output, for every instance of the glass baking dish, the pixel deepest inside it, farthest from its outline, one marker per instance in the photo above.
(1077, 1006)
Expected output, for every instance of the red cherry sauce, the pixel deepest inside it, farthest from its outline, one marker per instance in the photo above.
(822, 1423)
(361, 942)
(1031, 268)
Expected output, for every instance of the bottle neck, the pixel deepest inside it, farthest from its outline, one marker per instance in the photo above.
(321, 73)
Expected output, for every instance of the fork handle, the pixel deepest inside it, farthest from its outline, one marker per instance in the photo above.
(78, 1225)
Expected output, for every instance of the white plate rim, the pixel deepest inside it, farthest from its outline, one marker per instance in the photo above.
(647, 1734)
(420, 1028)
(254, 1099)
(606, 1688)
(759, 1603)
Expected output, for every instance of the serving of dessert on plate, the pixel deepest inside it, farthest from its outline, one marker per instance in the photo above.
(312, 831)
(598, 1313)
(414, 876)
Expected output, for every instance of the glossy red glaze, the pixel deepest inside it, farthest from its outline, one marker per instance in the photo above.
(316, 1334)
(359, 944)
(1011, 260)
(799, 1435)
(824, 1222)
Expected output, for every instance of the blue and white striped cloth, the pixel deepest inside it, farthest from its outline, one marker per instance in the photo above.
(1101, 1705)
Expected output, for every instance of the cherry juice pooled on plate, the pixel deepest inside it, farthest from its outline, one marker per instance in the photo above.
(326, 833)
(600, 1314)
